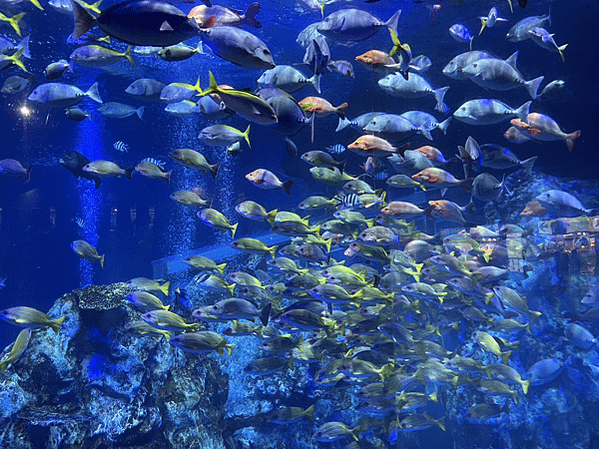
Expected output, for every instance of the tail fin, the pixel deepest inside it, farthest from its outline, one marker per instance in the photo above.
(221, 268)
(83, 19)
(273, 251)
(483, 21)
(214, 169)
(129, 172)
(55, 324)
(14, 21)
(528, 163)
(287, 186)
(270, 216)
(264, 313)
(128, 57)
(533, 86)
(444, 124)
(249, 18)
(343, 123)
(36, 3)
(570, 139)
(167, 176)
(234, 229)
(140, 111)
(340, 110)
(95, 7)
(523, 111)
(25, 44)
(426, 133)
(16, 59)
(102, 260)
(315, 81)
(439, 95)
(93, 93)
(559, 49)
(246, 135)
(392, 22)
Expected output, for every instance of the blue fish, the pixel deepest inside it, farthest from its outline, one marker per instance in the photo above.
(461, 34)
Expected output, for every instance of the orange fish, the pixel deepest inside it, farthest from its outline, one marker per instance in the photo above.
(402, 209)
(321, 107)
(533, 209)
(377, 61)
(448, 211)
(433, 154)
(436, 177)
(368, 145)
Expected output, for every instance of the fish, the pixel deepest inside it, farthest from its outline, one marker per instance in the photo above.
(289, 415)
(85, 251)
(152, 170)
(238, 46)
(317, 56)
(544, 128)
(179, 52)
(223, 135)
(322, 159)
(194, 160)
(120, 110)
(344, 68)
(120, 146)
(13, 21)
(561, 203)
(552, 87)
(146, 89)
(454, 68)
(107, 168)
(544, 39)
(12, 167)
(100, 56)
(336, 149)
(486, 187)
(145, 302)
(17, 349)
(190, 198)
(414, 87)
(251, 245)
(57, 95)
(500, 158)
(368, 145)
(226, 16)
(489, 112)
(215, 219)
(202, 342)
(55, 70)
(168, 321)
(520, 31)
(460, 33)
(288, 78)
(490, 20)
(29, 317)
(354, 25)
(137, 22)
(74, 162)
(265, 179)
(254, 211)
(236, 309)
(247, 105)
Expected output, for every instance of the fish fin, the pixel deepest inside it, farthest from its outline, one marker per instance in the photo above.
(25, 44)
(14, 22)
(341, 166)
(214, 170)
(270, 216)
(166, 26)
(570, 139)
(101, 260)
(287, 186)
(340, 110)
(392, 22)
(84, 21)
(439, 95)
(444, 124)
(249, 18)
(524, 110)
(483, 21)
(315, 81)
(528, 163)
(264, 313)
(513, 59)
(93, 93)
(273, 251)
(234, 230)
(426, 133)
(140, 112)
(128, 57)
(129, 172)
(167, 176)
(561, 52)
(533, 86)
(343, 123)
(55, 324)
(396, 43)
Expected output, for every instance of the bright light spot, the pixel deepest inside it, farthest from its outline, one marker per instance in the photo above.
(25, 111)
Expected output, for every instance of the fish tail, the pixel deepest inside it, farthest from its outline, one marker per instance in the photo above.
(439, 95)
(14, 22)
(315, 81)
(249, 18)
(234, 229)
(167, 176)
(273, 251)
(270, 216)
(471, 39)
(328, 244)
(16, 59)
(444, 124)
(392, 22)
(523, 111)
(528, 163)
(101, 260)
(93, 93)
(229, 348)
(231, 289)
(164, 288)
(246, 135)
(265, 313)
(95, 7)
(221, 268)
(128, 172)
(28, 174)
(4, 365)
(483, 21)
(322, 5)
(570, 138)
(505, 357)
(341, 165)
(533, 86)
(309, 413)
(287, 186)
(440, 423)
(197, 87)
(396, 43)
(140, 112)
(209, 203)
(36, 3)
(25, 44)
(214, 169)
(83, 19)
(340, 110)
(343, 123)
(561, 52)
(213, 87)
(128, 57)
(55, 324)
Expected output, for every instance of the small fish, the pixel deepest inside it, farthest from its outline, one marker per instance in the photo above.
(265, 179)
(336, 149)
(121, 146)
(29, 317)
(148, 285)
(490, 20)
(461, 34)
(107, 168)
(344, 68)
(85, 251)
(19, 347)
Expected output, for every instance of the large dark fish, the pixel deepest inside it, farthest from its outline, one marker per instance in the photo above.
(74, 162)
(139, 22)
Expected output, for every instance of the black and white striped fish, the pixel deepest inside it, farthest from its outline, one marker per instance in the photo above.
(155, 162)
(336, 149)
(349, 201)
(121, 146)
(80, 223)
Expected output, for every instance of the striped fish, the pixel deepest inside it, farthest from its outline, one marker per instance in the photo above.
(336, 149)
(121, 146)
(80, 223)
(349, 201)
(154, 161)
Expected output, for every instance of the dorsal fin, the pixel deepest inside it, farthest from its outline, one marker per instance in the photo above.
(512, 60)
(166, 26)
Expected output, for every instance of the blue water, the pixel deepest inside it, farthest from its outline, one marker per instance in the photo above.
(134, 222)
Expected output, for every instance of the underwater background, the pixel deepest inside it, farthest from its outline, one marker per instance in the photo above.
(140, 230)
